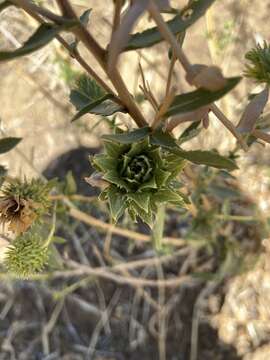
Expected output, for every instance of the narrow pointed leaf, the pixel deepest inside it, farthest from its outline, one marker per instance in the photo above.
(253, 111)
(198, 98)
(151, 184)
(112, 177)
(190, 132)
(113, 149)
(168, 195)
(141, 199)
(104, 162)
(117, 203)
(137, 212)
(43, 35)
(178, 24)
(162, 139)
(8, 144)
(91, 107)
(85, 92)
(129, 137)
(209, 158)
(161, 177)
(84, 18)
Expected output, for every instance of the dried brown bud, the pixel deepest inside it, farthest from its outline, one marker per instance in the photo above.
(18, 213)
(207, 77)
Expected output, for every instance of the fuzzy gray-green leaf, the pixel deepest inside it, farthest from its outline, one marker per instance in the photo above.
(198, 98)
(141, 199)
(43, 35)
(168, 195)
(129, 137)
(188, 16)
(117, 203)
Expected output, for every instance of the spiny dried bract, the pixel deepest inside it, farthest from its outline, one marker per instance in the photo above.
(22, 203)
(259, 67)
(139, 177)
(27, 255)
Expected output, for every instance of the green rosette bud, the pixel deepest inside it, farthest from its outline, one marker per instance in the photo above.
(27, 255)
(258, 67)
(139, 177)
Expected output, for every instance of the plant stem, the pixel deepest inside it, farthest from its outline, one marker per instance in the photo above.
(168, 35)
(100, 54)
(33, 10)
(28, 8)
(90, 220)
(158, 229)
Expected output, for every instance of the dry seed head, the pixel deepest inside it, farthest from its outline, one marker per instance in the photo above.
(22, 203)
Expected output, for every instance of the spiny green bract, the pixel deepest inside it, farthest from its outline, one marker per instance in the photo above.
(27, 255)
(35, 190)
(259, 67)
(140, 176)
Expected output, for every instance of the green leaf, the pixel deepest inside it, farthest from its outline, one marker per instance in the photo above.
(198, 98)
(8, 143)
(84, 18)
(136, 211)
(113, 149)
(178, 24)
(190, 132)
(117, 203)
(168, 195)
(43, 35)
(92, 108)
(113, 177)
(70, 184)
(162, 139)
(104, 162)
(209, 158)
(59, 240)
(86, 91)
(3, 173)
(151, 184)
(89, 97)
(161, 177)
(141, 199)
(129, 137)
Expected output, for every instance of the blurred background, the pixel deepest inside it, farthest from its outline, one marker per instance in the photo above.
(223, 311)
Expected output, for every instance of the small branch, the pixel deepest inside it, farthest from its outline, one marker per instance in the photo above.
(170, 75)
(163, 109)
(226, 122)
(27, 7)
(100, 54)
(90, 220)
(33, 9)
(168, 35)
(261, 135)
(106, 273)
(146, 90)
(117, 14)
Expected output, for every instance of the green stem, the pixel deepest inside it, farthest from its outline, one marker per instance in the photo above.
(158, 229)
